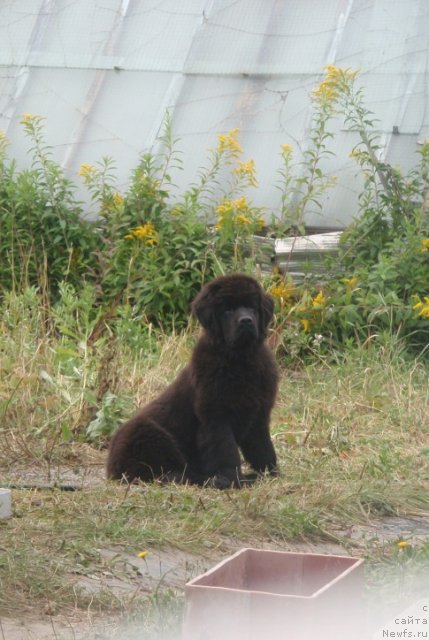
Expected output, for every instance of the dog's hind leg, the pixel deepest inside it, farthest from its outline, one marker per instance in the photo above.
(143, 450)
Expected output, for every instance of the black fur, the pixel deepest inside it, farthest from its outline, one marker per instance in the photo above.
(219, 404)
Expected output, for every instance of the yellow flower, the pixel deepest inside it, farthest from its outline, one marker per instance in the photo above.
(224, 208)
(283, 291)
(336, 74)
(402, 544)
(305, 323)
(324, 93)
(247, 170)
(287, 149)
(142, 554)
(335, 81)
(350, 283)
(245, 167)
(241, 219)
(237, 212)
(117, 199)
(86, 170)
(3, 142)
(240, 204)
(425, 244)
(146, 232)
(229, 142)
(227, 206)
(27, 118)
(356, 153)
(422, 307)
(318, 301)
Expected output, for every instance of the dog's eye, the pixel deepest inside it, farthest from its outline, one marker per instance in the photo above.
(228, 307)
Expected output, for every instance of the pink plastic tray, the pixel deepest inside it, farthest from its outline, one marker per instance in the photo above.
(258, 595)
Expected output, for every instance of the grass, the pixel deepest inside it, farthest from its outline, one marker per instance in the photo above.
(351, 436)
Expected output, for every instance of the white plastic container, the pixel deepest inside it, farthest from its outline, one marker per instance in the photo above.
(5, 503)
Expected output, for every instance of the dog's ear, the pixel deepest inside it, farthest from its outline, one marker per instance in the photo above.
(203, 309)
(267, 310)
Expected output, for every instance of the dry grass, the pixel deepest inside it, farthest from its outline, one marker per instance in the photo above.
(352, 440)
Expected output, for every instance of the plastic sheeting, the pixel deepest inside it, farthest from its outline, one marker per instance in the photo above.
(103, 74)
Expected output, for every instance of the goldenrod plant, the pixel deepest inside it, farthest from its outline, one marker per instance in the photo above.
(44, 235)
(150, 249)
(377, 287)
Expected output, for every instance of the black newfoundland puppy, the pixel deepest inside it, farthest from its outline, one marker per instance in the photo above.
(219, 404)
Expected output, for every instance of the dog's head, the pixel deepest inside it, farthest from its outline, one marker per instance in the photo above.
(234, 310)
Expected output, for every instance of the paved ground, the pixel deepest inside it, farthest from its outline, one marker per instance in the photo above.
(173, 568)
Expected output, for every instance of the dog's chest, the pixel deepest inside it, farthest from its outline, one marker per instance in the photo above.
(239, 385)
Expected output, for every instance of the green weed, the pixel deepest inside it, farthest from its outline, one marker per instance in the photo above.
(89, 326)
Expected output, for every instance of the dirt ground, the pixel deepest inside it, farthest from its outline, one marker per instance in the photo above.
(168, 567)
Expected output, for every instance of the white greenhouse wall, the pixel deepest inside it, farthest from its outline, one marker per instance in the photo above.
(103, 74)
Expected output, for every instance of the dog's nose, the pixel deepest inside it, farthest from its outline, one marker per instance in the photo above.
(246, 321)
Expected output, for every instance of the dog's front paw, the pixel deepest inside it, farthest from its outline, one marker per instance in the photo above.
(221, 482)
(225, 481)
